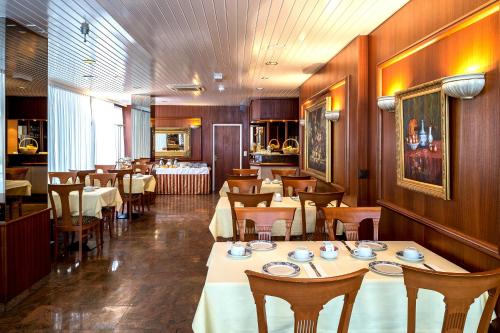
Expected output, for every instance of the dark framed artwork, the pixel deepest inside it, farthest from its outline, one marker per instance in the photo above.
(422, 140)
(317, 141)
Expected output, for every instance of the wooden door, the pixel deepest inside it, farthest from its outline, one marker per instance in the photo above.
(227, 152)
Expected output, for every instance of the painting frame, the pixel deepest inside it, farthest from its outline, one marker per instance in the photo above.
(403, 146)
(325, 175)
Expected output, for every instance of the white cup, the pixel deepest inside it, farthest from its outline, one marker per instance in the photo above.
(363, 250)
(329, 251)
(238, 249)
(328, 246)
(267, 181)
(301, 253)
(411, 253)
(278, 197)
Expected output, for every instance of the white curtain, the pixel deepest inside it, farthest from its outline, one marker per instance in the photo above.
(71, 144)
(108, 131)
(141, 133)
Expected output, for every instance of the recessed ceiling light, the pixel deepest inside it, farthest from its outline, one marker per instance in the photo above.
(260, 88)
(218, 76)
(264, 78)
(271, 63)
(22, 31)
(11, 25)
(89, 61)
(221, 87)
(22, 87)
(31, 25)
(88, 75)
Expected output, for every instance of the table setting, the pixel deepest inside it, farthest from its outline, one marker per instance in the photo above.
(268, 186)
(226, 303)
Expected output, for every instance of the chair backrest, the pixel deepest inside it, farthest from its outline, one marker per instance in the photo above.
(298, 185)
(104, 179)
(104, 167)
(351, 217)
(264, 218)
(320, 200)
(82, 174)
(64, 177)
(459, 290)
(245, 172)
(142, 168)
(247, 200)
(245, 185)
(64, 191)
(283, 172)
(120, 175)
(306, 297)
(16, 173)
(236, 177)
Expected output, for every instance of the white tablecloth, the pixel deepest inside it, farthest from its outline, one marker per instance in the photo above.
(227, 304)
(222, 223)
(17, 187)
(265, 188)
(140, 184)
(92, 202)
(183, 171)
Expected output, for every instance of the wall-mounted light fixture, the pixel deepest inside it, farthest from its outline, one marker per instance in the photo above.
(330, 114)
(465, 86)
(386, 103)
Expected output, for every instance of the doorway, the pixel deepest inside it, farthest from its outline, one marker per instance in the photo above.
(227, 152)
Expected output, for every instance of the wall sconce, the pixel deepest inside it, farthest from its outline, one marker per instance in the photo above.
(386, 103)
(330, 114)
(465, 86)
(302, 122)
(194, 126)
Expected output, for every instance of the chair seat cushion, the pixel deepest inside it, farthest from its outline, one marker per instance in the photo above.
(86, 220)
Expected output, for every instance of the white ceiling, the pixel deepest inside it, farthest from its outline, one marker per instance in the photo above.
(140, 46)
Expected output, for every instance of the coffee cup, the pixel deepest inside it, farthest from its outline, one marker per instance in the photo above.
(363, 250)
(238, 249)
(267, 181)
(411, 253)
(329, 251)
(278, 197)
(328, 246)
(301, 253)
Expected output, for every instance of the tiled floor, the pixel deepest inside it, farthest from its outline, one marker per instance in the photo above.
(148, 278)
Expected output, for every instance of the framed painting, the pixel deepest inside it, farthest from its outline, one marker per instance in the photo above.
(422, 140)
(317, 141)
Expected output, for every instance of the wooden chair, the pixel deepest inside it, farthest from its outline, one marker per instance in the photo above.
(245, 172)
(64, 177)
(459, 290)
(245, 185)
(104, 167)
(108, 212)
(248, 200)
(15, 200)
(128, 197)
(320, 200)
(283, 172)
(236, 177)
(351, 217)
(67, 223)
(263, 219)
(298, 185)
(306, 297)
(82, 174)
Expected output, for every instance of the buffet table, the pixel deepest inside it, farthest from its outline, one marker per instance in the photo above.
(227, 305)
(182, 180)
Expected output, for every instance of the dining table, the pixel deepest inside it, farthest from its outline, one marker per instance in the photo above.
(140, 183)
(183, 180)
(267, 187)
(227, 305)
(221, 224)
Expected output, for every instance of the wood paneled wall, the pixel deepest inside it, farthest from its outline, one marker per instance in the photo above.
(24, 253)
(465, 229)
(20, 107)
(127, 129)
(209, 115)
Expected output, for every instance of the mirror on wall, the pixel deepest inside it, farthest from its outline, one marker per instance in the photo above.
(173, 142)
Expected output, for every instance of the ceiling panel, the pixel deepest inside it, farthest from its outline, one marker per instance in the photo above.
(140, 47)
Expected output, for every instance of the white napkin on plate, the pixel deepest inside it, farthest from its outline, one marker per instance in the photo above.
(310, 272)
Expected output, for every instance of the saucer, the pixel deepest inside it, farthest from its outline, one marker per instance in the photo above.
(281, 268)
(389, 268)
(400, 255)
(248, 254)
(291, 255)
(373, 256)
(374, 245)
(275, 182)
(261, 245)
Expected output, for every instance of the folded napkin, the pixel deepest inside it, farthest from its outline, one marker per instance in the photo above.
(310, 272)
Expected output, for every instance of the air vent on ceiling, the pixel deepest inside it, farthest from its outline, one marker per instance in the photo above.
(185, 87)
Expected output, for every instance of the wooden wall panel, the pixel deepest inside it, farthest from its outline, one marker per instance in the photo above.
(24, 253)
(127, 129)
(274, 109)
(19, 107)
(209, 115)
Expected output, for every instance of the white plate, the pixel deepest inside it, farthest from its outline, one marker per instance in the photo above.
(275, 182)
(262, 245)
(375, 245)
(364, 258)
(295, 198)
(389, 268)
(248, 254)
(291, 255)
(400, 255)
(281, 268)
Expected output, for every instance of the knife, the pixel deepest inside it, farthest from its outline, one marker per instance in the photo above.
(315, 269)
(429, 267)
(347, 246)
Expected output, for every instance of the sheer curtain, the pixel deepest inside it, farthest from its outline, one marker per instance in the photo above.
(108, 131)
(141, 133)
(71, 144)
